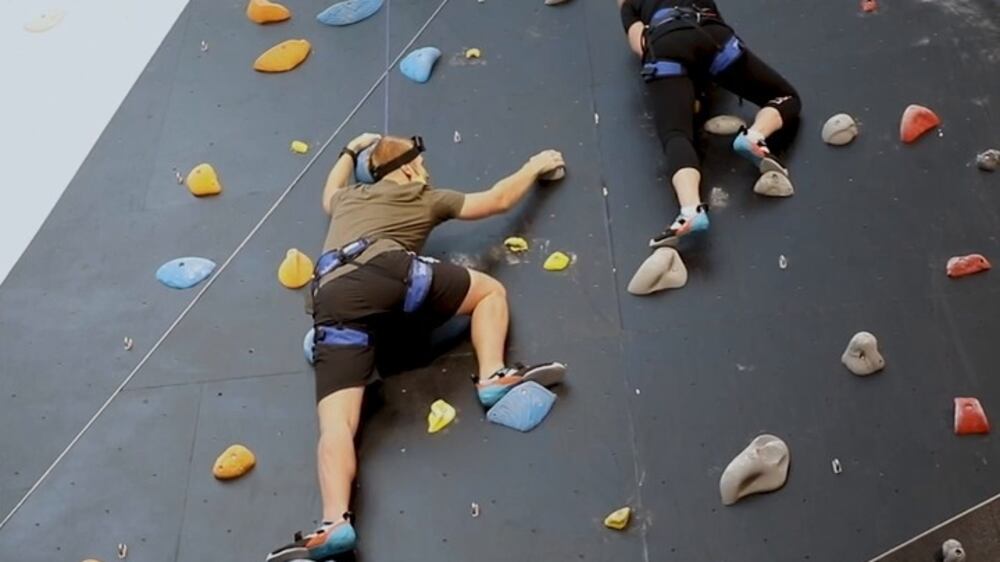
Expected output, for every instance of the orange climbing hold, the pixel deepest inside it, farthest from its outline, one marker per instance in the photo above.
(283, 56)
(262, 11)
(869, 6)
(970, 418)
(960, 266)
(917, 120)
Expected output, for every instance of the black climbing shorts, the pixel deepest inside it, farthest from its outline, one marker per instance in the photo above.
(370, 299)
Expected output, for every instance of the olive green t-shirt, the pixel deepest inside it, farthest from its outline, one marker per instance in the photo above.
(394, 216)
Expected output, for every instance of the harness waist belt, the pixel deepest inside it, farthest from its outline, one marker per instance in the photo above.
(667, 15)
(335, 258)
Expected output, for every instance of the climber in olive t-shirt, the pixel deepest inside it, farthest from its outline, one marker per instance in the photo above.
(371, 277)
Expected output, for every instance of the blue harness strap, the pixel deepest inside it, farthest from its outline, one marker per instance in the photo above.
(340, 337)
(418, 283)
(730, 53)
(662, 69)
(333, 259)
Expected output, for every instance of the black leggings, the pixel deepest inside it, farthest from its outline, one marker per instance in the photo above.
(674, 97)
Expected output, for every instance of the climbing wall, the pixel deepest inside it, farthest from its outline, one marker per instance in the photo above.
(663, 391)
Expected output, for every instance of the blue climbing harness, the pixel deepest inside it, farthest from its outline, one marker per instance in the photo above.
(418, 283)
(657, 68)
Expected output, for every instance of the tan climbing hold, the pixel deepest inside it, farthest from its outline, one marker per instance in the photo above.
(516, 244)
(296, 270)
(554, 175)
(761, 467)
(299, 147)
(45, 21)
(952, 551)
(203, 181)
(862, 356)
(473, 53)
(234, 462)
(558, 261)
(724, 125)
(441, 414)
(618, 519)
(283, 57)
(839, 130)
(774, 184)
(262, 11)
(662, 270)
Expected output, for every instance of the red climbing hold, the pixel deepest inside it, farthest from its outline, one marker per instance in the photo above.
(869, 6)
(917, 120)
(970, 418)
(960, 266)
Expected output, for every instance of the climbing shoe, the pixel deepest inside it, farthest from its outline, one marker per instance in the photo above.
(501, 382)
(684, 224)
(757, 152)
(324, 543)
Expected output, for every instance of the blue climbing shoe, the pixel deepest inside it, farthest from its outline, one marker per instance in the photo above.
(683, 225)
(757, 153)
(324, 543)
(501, 382)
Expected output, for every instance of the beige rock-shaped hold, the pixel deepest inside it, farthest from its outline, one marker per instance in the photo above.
(952, 551)
(663, 269)
(618, 519)
(45, 21)
(234, 462)
(839, 130)
(862, 356)
(774, 184)
(761, 467)
(724, 125)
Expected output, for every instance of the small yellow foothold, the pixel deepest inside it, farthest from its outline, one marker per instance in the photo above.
(618, 519)
(516, 244)
(283, 57)
(472, 53)
(442, 413)
(203, 181)
(234, 462)
(558, 261)
(299, 147)
(296, 270)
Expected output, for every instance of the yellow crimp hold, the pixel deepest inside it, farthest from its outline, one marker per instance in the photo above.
(296, 270)
(234, 462)
(472, 53)
(442, 413)
(299, 147)
(516, 244)
(202, 181)
(283, 57)
(618, 519)
(558, 261)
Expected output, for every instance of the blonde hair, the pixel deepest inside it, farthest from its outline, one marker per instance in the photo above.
(388, 149)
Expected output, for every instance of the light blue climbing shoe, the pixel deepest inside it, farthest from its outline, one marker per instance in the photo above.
(324, 543)
(757, 153)
(683, 225)
(501, 382)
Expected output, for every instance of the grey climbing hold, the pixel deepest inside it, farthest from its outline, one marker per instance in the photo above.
(349, 11)
(761, 467)
(839, 130)
(952, 551)
(862, 356)
(418, 64)
(774, 184)
(662, 270)
(523, 408)
(554, 175)
(724, 125)
(362, 170)
(184, 273)
(989, 160)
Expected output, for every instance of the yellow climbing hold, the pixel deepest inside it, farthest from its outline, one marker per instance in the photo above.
(234, 462)
(618, 519)
(296, 270)
(516, 244)
(299, 147)
(442, 413)
(284, 56)
(472, 53)
(203, 181)
(558, 261)
(262, 11)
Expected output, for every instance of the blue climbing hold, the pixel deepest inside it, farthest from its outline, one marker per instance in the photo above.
(418, 64)
(184, 273)
(309, 345)
(524, 407)
(362, 170)
(349, 11)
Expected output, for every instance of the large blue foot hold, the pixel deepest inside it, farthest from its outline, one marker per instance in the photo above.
(362, 170)
(523, 408)
(418, 64)
(349, 11)
(184, 273)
